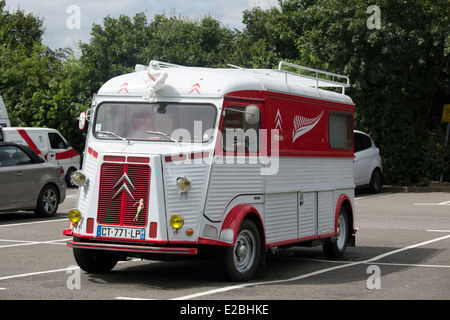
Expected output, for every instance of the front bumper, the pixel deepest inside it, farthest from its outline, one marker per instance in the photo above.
(132, 248)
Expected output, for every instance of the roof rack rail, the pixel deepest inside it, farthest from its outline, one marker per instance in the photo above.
(321, 78)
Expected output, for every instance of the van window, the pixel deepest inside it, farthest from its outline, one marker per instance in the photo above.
(56, 141)
(340, 129)
(237, 134)
(155, 122)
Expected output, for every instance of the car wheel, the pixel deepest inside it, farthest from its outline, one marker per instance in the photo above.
(94, 261)
(376, 181)
(335, 247)
(239, 262)
(48, 202)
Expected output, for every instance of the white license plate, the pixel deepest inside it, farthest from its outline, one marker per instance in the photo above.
(120, 232)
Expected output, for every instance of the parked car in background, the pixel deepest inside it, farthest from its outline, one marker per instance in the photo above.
(27, 182)
(367, 164)
(48, 143)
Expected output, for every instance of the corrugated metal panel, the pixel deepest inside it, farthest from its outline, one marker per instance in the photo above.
(190, 204)
(325, 212)
(310, 174)
(90, 169)
(228, 181)
(281, 217)
(307, 219)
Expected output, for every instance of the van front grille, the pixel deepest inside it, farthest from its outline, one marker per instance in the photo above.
(124, 188)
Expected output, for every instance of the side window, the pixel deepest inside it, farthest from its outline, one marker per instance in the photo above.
(240, 131)
(362, 142)
(12, 156)
(56, 141)
(340, 128)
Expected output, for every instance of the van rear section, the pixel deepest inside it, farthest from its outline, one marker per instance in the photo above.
(233, 163)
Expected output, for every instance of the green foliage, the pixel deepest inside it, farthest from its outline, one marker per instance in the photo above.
(399, 73)
(400, 76)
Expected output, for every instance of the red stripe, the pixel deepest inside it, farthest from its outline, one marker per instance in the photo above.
(28, 140)
(66, 154)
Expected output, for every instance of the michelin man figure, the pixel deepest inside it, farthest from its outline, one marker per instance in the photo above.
(154, 80)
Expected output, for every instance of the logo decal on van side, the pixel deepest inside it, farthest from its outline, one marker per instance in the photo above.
(278, 123)
(303, 125)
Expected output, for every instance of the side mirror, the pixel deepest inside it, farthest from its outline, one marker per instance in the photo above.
(252, 114)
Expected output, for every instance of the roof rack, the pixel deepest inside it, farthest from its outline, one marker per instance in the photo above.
(289, 73)
(321, 78)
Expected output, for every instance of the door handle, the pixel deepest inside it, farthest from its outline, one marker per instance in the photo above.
(19, 173)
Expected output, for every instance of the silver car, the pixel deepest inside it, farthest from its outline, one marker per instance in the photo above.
(368, 168)
(27, 182)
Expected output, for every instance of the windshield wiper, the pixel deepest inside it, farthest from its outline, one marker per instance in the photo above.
(112, 134)
(162, 134)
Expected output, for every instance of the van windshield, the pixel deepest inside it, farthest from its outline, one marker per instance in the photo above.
(155, 122)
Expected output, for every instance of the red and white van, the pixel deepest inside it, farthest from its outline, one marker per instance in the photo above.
(48, 143)
(188, 161)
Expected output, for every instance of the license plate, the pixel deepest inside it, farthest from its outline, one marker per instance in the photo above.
(121, 232)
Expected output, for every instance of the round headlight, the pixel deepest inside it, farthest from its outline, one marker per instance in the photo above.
(183, 184)
(78, 178)
(176, 221)
(74, 215)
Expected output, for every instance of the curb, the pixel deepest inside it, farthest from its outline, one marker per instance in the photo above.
(432, 187)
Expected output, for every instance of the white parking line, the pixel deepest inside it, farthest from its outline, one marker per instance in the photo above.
(32, 274)
(25, 223)
(446, 203)
(28, 243)
(303, 276)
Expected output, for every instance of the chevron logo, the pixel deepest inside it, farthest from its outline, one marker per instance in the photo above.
(124, 187)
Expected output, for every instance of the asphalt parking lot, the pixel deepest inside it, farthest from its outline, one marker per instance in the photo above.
(402, 253)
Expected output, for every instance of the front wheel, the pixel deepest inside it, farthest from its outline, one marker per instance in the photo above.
(94, 261)
(335, 247)
(239, 262)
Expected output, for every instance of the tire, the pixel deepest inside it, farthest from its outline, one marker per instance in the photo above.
(376, 181)
(48, 202)
(239, 262)
(94, 261)
(67, 178)
(335, 247)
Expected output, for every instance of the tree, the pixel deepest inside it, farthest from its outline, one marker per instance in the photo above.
(119, 44)
(399, 73)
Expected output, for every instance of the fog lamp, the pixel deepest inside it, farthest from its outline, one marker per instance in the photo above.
(183, 184)
(78, 178)
(176, 221)
(74, 215)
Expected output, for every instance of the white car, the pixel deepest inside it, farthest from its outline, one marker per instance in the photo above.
(367, 163)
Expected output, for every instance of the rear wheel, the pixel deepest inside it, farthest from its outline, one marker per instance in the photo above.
(239, 262)
(376, 181)
(335, 247)
(94, 261)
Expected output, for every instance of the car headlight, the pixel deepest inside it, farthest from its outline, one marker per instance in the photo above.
(176, 221)
(183, 184)
(78, 178)
(74, 215)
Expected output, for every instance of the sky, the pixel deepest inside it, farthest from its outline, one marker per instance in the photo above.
(67, 22)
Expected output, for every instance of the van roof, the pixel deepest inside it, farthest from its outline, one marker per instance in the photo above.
(29, 129)
(216, 82)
